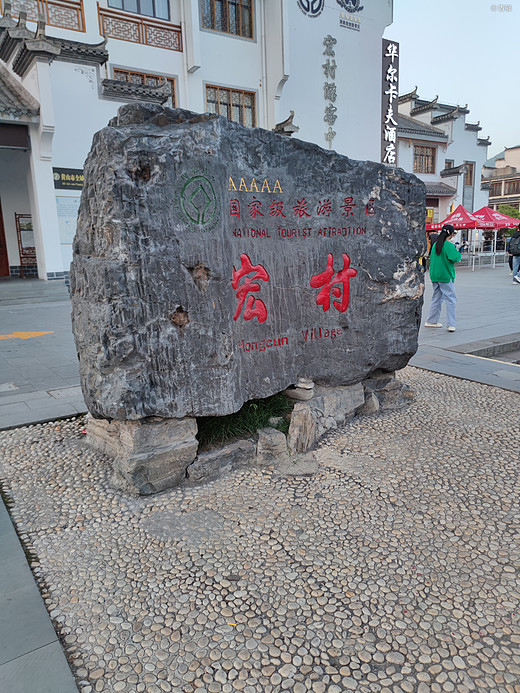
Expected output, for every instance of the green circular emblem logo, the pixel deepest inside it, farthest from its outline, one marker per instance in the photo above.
(199, 202)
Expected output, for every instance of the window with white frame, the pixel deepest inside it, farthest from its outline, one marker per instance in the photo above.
(423, 159)
(150, 8)
(234, 104)
(228, 16)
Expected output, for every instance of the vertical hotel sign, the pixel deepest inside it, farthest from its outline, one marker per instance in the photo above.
(389, 102)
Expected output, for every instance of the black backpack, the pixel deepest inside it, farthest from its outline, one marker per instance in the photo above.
(514, 245)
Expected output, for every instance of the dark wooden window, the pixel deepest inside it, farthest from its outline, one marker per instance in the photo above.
(449, 163)
(424, 159)
(150, 8)
(234, 104)
(229, 16)
(496, 190)
(512, 187)
(468, 176)
(148, 79)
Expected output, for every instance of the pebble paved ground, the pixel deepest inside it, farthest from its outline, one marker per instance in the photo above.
(394, 568)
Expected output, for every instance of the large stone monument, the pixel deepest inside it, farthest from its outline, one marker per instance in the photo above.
(214, 264)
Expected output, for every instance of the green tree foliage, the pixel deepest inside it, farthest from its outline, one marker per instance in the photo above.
(509, 210)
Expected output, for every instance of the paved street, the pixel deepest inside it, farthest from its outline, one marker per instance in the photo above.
(394, 567)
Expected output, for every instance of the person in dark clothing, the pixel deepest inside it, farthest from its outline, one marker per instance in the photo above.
(513, 250)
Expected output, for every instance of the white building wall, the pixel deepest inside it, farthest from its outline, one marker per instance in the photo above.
(281, 64)
(464, 147)
(358, 77)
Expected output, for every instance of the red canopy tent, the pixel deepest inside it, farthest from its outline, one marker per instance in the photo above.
(499, 220)
(460, 218)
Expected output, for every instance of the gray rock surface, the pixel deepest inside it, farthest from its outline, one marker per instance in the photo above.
(170, 319)
(271, 445)
(149, 455)
(212, 464)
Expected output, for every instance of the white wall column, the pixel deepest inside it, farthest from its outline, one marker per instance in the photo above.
(41, 183)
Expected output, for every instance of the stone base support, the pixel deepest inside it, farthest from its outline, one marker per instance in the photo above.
(154, 454)
(149, 455)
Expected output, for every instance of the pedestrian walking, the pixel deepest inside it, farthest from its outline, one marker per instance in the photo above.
(514, 255)
(443, 257)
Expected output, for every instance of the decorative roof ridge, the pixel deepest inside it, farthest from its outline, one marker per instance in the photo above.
(451, 115)
(7, 21)
(473, 126)
(34, 48)
(10, 38)
(77, 52)
(121, 89)
(483, 142)
(453, 171)
(428, 106)
(408, 97)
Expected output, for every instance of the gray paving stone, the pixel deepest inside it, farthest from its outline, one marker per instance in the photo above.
(24, 623)
(15, 575)
(44, 670)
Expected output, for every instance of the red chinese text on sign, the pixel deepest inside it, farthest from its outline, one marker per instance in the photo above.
(254, 208)
(347, 207)
(300, 209)
(276, 209)
(255, 308)
(328, 279)
(234, 208)
(324, 208)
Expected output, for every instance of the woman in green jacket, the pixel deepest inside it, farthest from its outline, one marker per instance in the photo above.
(443, 257)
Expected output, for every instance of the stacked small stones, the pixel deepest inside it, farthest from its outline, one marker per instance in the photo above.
(393, 568)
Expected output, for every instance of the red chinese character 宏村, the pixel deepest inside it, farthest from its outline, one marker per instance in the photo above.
(327, 280)
(254, 307)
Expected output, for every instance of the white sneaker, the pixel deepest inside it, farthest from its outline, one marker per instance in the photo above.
(433, 324)
(516, 279)
(451, 328)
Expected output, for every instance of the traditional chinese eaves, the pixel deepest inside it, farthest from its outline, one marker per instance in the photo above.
(130, 91)
(214, 264)
(411, 127)
(453, 171)
(440, 189)
(15, 102)
(82, 53)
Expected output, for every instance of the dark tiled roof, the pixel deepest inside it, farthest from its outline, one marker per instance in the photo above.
(77, 52)
(444, 106)
(411, 126)
(453, 171)
(15, 102)
(409, 96)
(440, 189)
(423, 106)
(453, 114)
(118, 89)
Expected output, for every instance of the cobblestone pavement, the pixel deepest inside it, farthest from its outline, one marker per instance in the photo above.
(393, 568)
